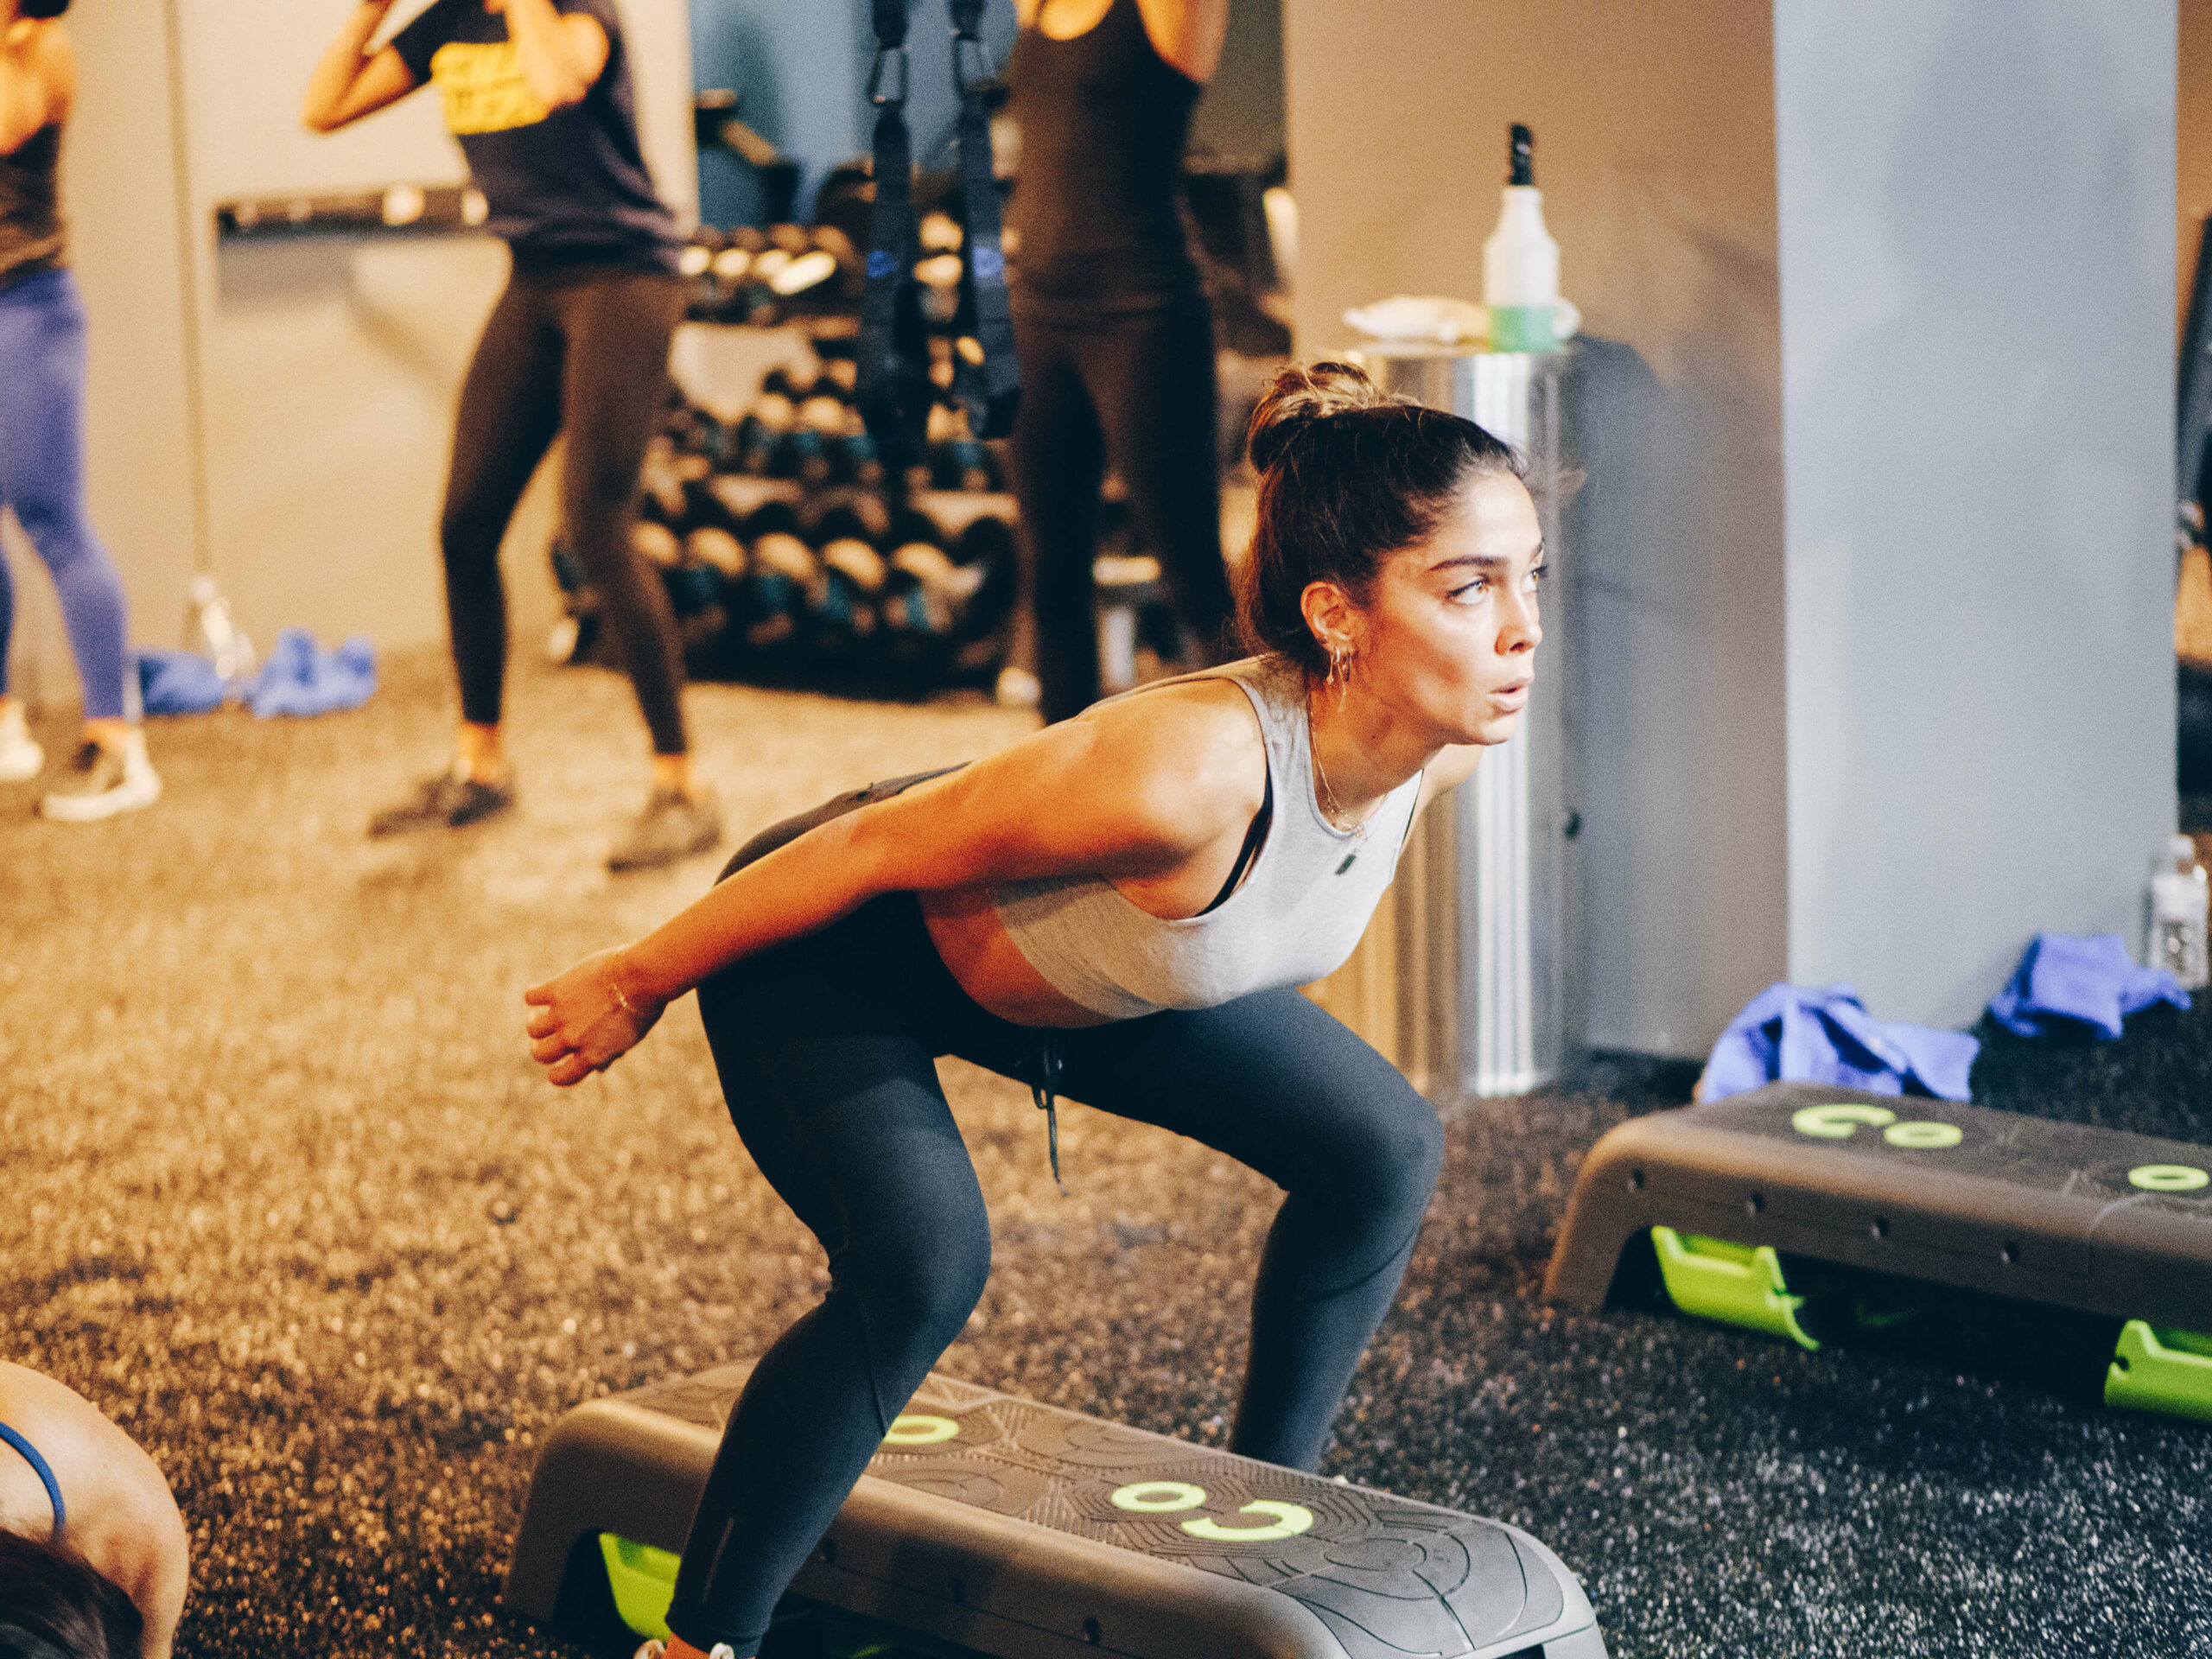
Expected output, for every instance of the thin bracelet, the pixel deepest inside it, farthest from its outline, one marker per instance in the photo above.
(614, 983)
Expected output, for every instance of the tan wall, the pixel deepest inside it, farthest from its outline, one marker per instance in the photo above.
(1654, 146)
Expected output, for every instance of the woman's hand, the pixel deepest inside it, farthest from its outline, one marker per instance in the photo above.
(588, 1018)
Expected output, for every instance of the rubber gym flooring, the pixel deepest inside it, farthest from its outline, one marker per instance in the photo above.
(285, 1196)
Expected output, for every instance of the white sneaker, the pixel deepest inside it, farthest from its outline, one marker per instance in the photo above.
(105, 782)
(19, 754)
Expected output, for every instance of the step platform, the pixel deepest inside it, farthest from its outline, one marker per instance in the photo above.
(1737, 1197)
(1005, 1528)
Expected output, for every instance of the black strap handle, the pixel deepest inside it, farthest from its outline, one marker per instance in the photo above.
(891, 388)
(991, 389)
(893, 391)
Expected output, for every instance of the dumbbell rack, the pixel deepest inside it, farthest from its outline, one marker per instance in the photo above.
(819, 485)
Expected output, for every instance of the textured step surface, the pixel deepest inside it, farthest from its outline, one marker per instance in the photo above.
(2097, 1220)
(1018, 1529)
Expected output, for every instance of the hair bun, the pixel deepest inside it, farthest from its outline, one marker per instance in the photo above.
(1300, 396)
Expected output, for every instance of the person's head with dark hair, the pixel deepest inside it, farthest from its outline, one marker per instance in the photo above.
(54, 1605)
(95, 1559)
(1397, 548)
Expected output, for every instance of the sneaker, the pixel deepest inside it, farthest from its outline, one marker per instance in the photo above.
(673, 826)
(19, 754)
(445, 802)
(103, 782)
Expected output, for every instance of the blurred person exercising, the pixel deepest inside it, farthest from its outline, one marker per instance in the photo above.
(538, 93)
(93, 1555)
(1118, 905)
(1111, 326)
(42, 433)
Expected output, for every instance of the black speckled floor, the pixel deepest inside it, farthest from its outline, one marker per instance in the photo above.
(285, 1197)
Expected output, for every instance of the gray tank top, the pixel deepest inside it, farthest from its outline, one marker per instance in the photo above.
(30, 205)
(1299, 911)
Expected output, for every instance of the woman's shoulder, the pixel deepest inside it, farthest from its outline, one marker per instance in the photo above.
(54, 60)
(1213, 707)
(1198, 735)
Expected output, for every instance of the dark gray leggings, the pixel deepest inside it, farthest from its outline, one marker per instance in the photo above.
(581, 352)
(827, 1049)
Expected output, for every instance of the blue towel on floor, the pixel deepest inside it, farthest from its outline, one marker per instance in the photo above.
(2069, 980)
(1793, 1032)
(299, 677)
(178, 682)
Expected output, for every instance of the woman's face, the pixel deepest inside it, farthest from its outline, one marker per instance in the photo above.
(1448, 637)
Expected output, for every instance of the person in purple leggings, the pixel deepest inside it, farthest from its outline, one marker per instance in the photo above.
(41, 434)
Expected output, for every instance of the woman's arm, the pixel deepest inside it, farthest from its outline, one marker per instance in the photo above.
(346, 85)
(562, 54)
(1188, 34)
(33, 65)
(1133, 792)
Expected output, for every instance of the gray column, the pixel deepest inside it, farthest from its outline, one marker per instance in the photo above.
(1977, 223)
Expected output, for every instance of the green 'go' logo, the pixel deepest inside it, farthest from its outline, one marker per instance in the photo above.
(915, 1428)
(1839, 1121)
(1168, 1497)
(2169, 1178)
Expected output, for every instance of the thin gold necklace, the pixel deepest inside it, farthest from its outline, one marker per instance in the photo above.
(1334, 809)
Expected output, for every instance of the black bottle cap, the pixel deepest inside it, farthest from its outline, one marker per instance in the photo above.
(1522, 142)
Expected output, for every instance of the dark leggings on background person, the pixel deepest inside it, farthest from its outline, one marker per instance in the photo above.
(583, 352)
(1134, 389)
(826, 1048)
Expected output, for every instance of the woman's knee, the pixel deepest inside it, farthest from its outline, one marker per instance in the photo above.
(919, 1293)
(61, 535)
(1389, 1168)
(468, 540)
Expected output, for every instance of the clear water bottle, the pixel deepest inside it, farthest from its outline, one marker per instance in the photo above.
(2179, 922)
(210, 630)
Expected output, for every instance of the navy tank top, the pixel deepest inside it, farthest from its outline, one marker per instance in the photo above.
(1097, 208)
(30, 205)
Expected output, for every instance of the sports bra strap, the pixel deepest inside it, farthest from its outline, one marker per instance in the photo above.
(44, 1470)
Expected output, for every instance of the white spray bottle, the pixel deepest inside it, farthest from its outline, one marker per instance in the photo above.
(1520, 262)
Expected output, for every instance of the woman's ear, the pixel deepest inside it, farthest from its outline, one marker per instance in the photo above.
(1331, 617)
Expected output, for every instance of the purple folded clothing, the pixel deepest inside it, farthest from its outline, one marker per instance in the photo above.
(1795, 1033)
(2075, 982)
(178, 682)
(299, 677)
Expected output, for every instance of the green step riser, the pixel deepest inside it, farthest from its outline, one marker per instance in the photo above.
(2168, 1372)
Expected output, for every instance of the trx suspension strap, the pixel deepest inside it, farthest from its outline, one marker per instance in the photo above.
(891, 355)
(991, 388)
(895, 391)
